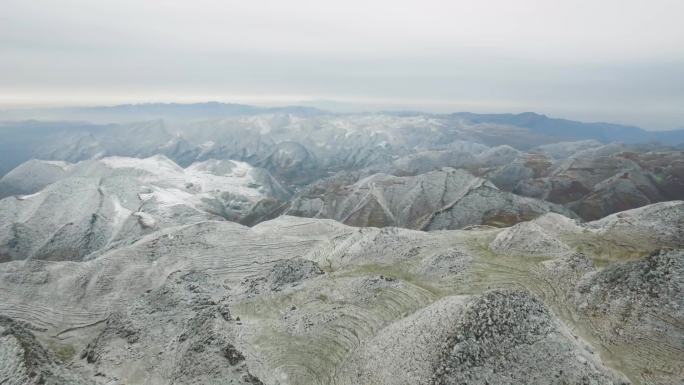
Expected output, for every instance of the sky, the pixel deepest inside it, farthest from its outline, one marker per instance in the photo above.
(609, 60)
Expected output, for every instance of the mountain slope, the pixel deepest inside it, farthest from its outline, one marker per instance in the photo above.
(100, 204)
(307, 301)
(189, 133)
(445, 199)
(564, 129)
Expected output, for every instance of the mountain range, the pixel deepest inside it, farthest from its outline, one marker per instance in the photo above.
(230, 244)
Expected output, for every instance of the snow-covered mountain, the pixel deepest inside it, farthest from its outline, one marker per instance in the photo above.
(442, 199)
(92, 206)
(223, 244)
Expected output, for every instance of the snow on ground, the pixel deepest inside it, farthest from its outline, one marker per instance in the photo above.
(161, 182)
(25, 197)
(145, 219)
(174, 185)
(168, 197)
(119, 216)
(59, 163)
(157, 165)
(120, 212)
(237, 181)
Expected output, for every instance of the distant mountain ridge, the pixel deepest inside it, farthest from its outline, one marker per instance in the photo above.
(571, 130)
(153, 111)
(190, 132)
(537, 122)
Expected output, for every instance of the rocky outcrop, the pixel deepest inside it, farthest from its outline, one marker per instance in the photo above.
(502, 327)
(631, 306)
(25, 361)
(474, 340)
(637, 298)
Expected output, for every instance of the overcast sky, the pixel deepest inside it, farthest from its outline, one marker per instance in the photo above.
(611, 60)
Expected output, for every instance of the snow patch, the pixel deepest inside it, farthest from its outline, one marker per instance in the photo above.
(145, 219)
(25, 197)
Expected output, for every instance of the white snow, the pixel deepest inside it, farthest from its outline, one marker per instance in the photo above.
(25, 197)
(119, 217)
(236, 182)
(145, 219)
(158, 164)
(120, 212)
(59, 163)
(170, 182)
(171, 197)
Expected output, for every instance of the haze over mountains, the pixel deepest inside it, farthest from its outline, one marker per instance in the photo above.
(230, 244)
(163, 121)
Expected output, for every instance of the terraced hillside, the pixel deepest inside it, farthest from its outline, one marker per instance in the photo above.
(313, 301)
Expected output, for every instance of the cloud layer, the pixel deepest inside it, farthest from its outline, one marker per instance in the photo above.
(619, 60)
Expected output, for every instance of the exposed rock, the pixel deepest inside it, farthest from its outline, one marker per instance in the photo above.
(24, 361)
(504, 327)
(637, 298)
(291, 271)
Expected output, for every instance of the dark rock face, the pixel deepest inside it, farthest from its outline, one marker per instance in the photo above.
(233, 355)
(291, 271)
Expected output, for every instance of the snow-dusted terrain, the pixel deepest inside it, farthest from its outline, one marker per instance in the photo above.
(441, 199)
(97, 205)
(288, 248)
(310, 301)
